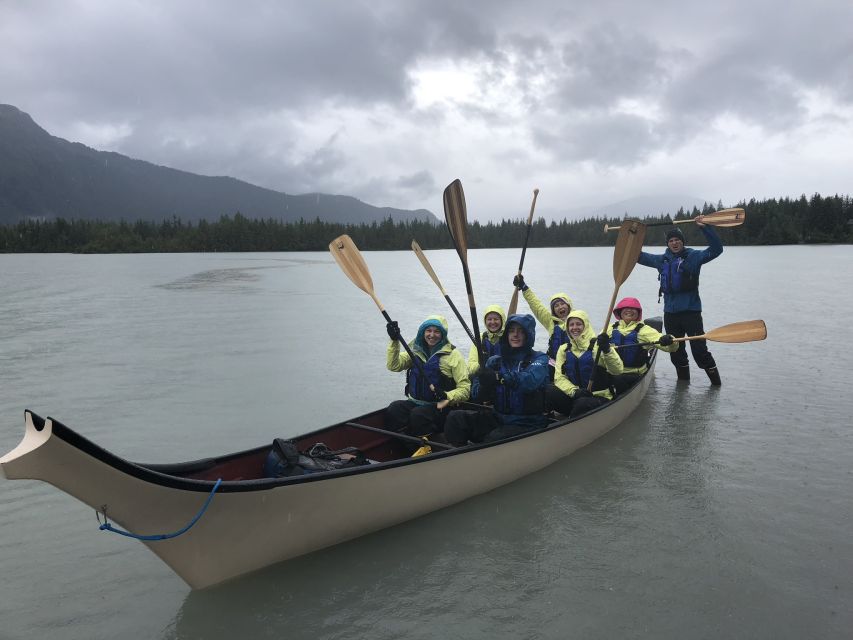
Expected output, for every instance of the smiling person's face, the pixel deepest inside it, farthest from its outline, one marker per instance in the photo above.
(576, 327)
(493, 322)
(515, 335)
(629, 315)
(432, 336)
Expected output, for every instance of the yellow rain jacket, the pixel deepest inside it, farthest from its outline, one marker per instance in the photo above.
(492, 338)
(451, 365)
(645, 336)
(611, 361)
(544, 314)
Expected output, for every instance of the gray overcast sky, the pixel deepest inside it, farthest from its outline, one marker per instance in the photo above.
(388, 101)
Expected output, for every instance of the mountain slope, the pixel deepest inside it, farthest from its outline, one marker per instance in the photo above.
(45, 176)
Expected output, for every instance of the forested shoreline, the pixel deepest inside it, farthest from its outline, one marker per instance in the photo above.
(784, 221)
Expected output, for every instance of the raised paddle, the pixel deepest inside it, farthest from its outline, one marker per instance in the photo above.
(428, 267)
(721, 218)
(629, 243)
(746, 331)
(456, 216)
(513, 303)
(351, 262)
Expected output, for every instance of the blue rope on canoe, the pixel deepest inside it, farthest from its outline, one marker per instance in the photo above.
(106, 526)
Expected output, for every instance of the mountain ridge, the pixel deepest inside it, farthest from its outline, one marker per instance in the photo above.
(44, 176)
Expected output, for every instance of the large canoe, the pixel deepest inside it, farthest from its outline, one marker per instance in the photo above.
(252, 522)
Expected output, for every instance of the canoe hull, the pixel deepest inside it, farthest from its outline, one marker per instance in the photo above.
(246, 530)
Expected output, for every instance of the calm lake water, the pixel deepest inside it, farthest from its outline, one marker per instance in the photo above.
(710, 513)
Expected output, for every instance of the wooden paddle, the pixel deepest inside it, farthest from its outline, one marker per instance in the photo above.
(721, 218)
(456, 216)
(629, 243)
(513, 303)
(746, 331)
(420, 254)
(351, 262)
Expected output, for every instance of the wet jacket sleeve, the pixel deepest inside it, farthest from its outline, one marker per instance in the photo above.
(543, 314)
(649, 335)
(473, 362)
(649, 260)
(535, 375)
(612, 361)
(397, 360)
(454, 366)
(714, 248)
(560, 380)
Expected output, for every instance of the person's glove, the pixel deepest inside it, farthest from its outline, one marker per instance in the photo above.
(494, 363)
(511, 379)
(603, 341)
(666, 340)
(393, 330)
(488, 381)
(440, 394)
(518, 282)
(581, 393)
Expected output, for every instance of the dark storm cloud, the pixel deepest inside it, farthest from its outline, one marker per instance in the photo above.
(306, 96)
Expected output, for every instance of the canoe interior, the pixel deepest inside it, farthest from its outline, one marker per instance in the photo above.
(249, 465)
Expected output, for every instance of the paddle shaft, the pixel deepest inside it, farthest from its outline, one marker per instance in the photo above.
(400, 436)
(513, 303)
(629, 243)
(428, 267)
(721, 218)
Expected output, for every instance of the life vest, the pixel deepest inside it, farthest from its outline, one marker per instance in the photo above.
(512, 401)
(579, 369)
(417, 386)
(633, 356)
(489, 348)
(557, 339)
(674, 277)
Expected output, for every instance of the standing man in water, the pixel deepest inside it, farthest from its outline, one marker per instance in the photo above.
(678, 270)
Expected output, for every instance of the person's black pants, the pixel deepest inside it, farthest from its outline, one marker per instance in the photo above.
(415, 419)
(688, 323)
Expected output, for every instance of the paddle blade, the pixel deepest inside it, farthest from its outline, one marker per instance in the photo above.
(629, 243)
(349, 259)
(456, 216)
(726, 218)
(747, 331)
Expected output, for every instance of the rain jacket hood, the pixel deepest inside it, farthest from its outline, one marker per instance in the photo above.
(528, 323)
(440, 323)
(628, 303)
(565, 298)
(498, 309)
(582, 342)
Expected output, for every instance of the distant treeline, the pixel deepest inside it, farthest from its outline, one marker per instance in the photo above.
(804, 220)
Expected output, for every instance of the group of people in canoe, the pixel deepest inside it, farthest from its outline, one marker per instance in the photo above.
(522, 387)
